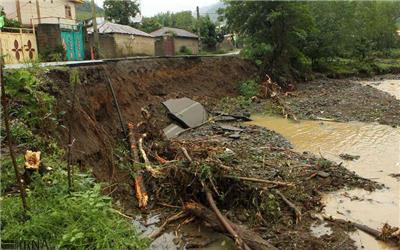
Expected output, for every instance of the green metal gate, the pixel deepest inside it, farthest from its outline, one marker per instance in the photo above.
(72, 41)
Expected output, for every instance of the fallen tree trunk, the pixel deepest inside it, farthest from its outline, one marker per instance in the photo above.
(388, 233)
(252, 239)
(225, 223)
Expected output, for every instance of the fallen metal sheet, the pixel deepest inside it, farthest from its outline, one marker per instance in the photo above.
(230, 128)
(173, 130)
(225, 118)
(187, 111)
(235, 136)
(220, 116)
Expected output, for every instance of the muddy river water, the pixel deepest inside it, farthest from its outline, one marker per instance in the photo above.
(379, 149)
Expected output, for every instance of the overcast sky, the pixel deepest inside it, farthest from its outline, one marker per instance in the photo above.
(153, 7)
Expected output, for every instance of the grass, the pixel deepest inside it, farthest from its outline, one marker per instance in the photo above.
(386, 62)
(81, 219)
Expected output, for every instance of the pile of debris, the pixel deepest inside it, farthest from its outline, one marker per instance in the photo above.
(206, 163)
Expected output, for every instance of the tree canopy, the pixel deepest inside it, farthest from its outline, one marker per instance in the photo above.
(121, 11)
(182, 20)
(292, 37)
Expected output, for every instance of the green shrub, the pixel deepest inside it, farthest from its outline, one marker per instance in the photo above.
(183, 50)
(83, 219)
(249, 88)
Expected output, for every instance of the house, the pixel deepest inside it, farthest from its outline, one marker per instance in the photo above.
(33, 12)
(171, 41)
(116, 40)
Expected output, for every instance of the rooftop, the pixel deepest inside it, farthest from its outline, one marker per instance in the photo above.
(112, 28)
(177, 32)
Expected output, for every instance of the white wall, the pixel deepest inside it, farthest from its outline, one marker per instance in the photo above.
(50, 10)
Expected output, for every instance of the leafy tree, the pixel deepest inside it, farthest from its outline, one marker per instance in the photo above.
(208, 33)
(182, 20)
(275, 33)
(150, 24)
(288, 37)
(9, 22)
(120, 11)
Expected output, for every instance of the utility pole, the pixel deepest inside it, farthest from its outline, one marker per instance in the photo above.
(37, 11)
(95, 31)
(198, 26)
(18, 7)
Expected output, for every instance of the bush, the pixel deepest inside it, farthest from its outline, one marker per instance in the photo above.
(83, 219)
(249, 88)
(183, 50)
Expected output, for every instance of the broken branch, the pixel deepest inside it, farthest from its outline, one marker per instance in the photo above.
(388, 236)
(147, 163)
(175, 217)
(296, 210)
(252, 239)
(279, 183)
(224, 221)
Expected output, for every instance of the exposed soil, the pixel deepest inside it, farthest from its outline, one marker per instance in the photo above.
(344, 100)
(258, 153)
(261, 154)
(138, 84)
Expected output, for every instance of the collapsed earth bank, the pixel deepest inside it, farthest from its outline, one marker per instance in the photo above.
(259, 153)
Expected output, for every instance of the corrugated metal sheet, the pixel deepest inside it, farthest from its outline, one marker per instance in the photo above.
(110, 28)
(177, 32)
(187, 111)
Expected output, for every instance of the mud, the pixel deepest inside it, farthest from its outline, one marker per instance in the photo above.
(138, 84)
(258, 153)
(345, 100)
(377, 147)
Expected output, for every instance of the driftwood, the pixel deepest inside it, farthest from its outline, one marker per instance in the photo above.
(252, 239)
(140, 188)
(186, 154)
(278, 183)
(270, 89)
(147, 163)
(159, 230)
(295, 209)
(141, 193)
(224, 222)
(388, 233)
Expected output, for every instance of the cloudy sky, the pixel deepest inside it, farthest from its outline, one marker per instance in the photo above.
(153, 7)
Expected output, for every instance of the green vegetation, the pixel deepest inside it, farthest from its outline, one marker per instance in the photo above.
(182, 20)
(81, 219)
(120, 11)
(249, 88)
(290, 39)
(209, 32)
(84, 10)
(9, 22)
(183, 50)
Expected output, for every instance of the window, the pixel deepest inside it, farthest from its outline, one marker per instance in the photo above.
(68, 13)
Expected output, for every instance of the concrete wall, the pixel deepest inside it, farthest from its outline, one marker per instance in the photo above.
(190, 43)
(130, 45)
(18, 47)
(120, 45)
(50, 11)
(48, 37)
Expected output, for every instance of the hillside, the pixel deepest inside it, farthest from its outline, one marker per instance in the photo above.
(211, 10)
(84, 11)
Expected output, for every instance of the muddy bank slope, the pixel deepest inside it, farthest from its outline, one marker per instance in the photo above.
(137, 84)
(344, 100)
